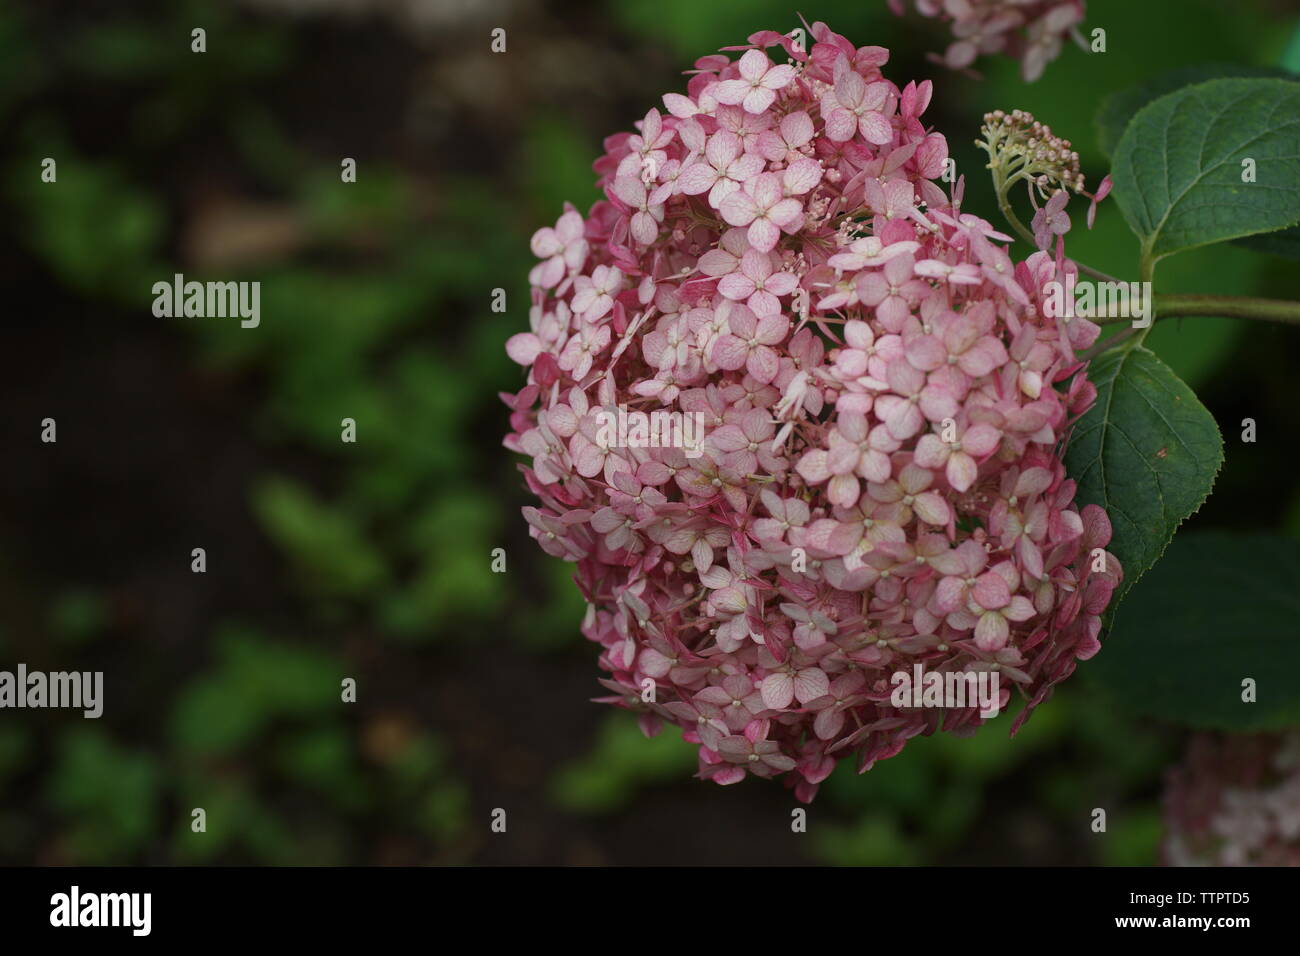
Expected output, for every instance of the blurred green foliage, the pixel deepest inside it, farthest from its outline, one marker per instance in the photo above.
(329, 549)
(107, 794)
(622, 761)
(97, 232)
(77, 617)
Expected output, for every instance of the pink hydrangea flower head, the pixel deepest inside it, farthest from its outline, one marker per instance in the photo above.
(1235, 801)
(797, 420)
(1031, 31)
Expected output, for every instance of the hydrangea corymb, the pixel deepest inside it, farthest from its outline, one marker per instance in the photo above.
(1235, 801)
(884, 399)
(1032, 31)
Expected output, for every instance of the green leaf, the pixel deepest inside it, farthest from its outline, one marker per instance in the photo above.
(107, 795)
(93, 228)
(329, 548)
(257, 680)
(560, 169)
(1147, 452)
(876, 840)
(1134, 838)
(78, 616)
(1178, 166)
(1118, 109)
(1284, 242)
(1219, 608)
(1291, 55)
(621, 762)
(206, 721)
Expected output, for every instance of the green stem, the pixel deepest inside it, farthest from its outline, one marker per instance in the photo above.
(1229, 306)
(1009, 214)
(1223, 306)
(1146, 275)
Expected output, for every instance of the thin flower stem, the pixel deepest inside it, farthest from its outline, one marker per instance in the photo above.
(1004, 205)
(1096, 273)
(1009, 214)
(1108, 344)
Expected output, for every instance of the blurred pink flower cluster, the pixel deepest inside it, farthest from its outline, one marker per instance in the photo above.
(884, 403)
(1235, 801)
(1028, 30)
